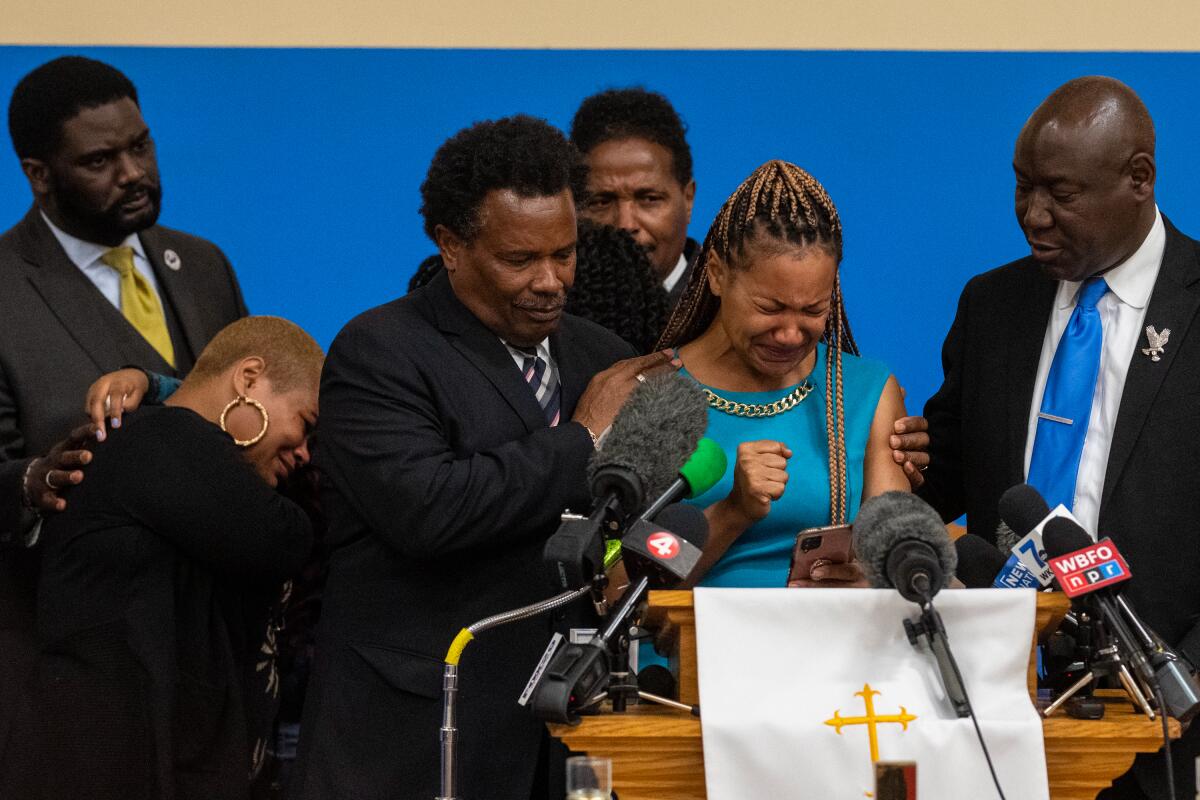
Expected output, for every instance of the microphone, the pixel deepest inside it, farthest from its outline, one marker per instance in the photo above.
(1006, 537)
(651, 438)
(666, 550)
(1022, 508)
(641, 456)
(1086, 568)
(1024, 512)
(703, 469)
(980, 565)
(903, 545)
(579, 674)
(657, 680)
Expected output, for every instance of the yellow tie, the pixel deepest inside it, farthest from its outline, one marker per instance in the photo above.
(140, 304)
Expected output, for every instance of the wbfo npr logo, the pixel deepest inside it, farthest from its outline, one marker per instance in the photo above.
(1094, 567)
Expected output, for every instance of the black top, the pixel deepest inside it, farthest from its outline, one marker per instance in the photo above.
(153, 604)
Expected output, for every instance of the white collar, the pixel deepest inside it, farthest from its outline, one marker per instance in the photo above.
(84, 254)
(676, 273)
(1132, 281)
(543, 350)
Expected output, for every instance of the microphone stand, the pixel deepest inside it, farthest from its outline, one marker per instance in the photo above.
(1107, 661)
(930, 626)
(449, 729)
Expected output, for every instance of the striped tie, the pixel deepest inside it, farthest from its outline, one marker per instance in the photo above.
(544, 384)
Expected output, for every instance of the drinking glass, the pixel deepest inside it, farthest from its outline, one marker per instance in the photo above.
(589, 778)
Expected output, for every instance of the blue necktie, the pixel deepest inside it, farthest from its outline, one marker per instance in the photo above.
(1067, 400)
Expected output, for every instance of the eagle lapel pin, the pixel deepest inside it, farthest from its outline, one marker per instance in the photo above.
(1157, 342)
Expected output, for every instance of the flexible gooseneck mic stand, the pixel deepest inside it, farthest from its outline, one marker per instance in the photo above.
(449, 730)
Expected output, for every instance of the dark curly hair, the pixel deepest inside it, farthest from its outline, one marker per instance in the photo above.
(54, 93)
(521, 153)
(426, 271)
(615, 286)
(633, 113)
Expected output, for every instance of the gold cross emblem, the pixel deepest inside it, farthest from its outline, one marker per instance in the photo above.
(870, 719)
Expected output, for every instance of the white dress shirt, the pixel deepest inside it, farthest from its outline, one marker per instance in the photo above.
(1123, 316)
(676, 273)
(87, 255)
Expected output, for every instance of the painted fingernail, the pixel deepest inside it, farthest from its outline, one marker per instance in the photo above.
(100, 435)
(116, 422)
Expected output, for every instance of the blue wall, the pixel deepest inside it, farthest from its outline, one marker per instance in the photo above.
(304, 164)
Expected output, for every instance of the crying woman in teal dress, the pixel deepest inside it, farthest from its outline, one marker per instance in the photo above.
(802, 417)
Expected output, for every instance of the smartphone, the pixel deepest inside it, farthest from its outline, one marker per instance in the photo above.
(834, 544)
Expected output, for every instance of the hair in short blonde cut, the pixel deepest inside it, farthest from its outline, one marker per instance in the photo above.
(292, 358)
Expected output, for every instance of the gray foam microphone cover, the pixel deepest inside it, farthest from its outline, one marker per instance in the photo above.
(890, 518)
(655, 432)
(1006, 538)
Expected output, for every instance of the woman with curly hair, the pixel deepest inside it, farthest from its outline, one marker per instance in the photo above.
(615, 286)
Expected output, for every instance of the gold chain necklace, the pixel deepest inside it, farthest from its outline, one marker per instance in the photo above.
(793, 399)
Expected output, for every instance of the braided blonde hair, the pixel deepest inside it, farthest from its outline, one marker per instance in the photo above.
(781, 202)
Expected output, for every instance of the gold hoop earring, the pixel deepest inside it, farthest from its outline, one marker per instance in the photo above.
(240, 400)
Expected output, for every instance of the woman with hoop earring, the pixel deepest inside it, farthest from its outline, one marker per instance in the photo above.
(155, 675)
(802, 417)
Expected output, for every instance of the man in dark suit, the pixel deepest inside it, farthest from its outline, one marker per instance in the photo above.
(456, 425)
(1053, 374)
(90, 284)
(640, 177)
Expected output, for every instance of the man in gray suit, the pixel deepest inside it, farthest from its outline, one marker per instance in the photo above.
(90, 284)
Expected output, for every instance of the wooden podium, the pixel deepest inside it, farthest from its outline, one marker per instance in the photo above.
(657, 752)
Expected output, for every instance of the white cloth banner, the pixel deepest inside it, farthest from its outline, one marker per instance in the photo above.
(789, 678)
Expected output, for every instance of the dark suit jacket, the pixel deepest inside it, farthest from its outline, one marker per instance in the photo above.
(1150, 503)
(11, 518)
(152, 612)
(691, 250)
(58, 334)
(444, 482)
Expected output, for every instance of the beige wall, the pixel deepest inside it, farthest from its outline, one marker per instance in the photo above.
(801, 24)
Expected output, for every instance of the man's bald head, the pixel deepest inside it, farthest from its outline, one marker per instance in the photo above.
(1100, 107)
(1085, 177)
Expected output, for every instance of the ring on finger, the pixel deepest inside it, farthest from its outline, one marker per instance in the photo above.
(640, 378)
(922, 469)
(107, 404)
(49, 482)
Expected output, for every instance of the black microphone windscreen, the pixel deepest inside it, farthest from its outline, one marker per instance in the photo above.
(1006, 538)
(685, 521)
(1022, 507)
(1063, 535)
(890, 518)
(657, 679)
(654, 433)
(978, 562)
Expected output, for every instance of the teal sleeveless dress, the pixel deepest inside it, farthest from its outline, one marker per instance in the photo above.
(761, 556)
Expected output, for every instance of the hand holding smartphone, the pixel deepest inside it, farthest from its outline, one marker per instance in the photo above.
(833, 544)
